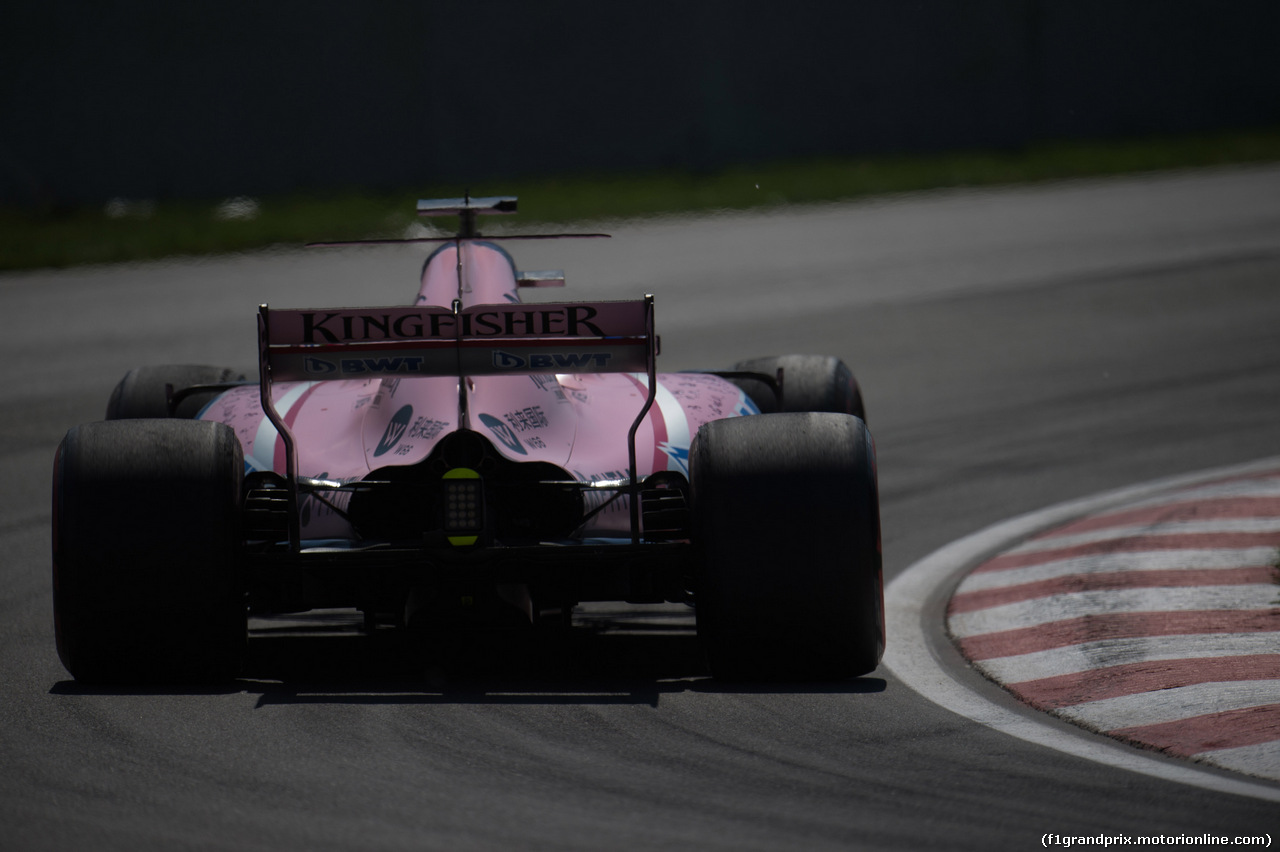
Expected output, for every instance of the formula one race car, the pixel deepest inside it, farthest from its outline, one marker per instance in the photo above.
(469, 463)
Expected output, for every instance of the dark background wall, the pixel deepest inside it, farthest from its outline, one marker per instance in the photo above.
(157, 99)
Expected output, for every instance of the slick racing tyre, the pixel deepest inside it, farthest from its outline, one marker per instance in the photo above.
(786, 531)
(142, 393)
(147, 578)
(809, 383)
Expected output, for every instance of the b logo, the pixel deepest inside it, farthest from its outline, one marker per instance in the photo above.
(507, 361)
(318, 366)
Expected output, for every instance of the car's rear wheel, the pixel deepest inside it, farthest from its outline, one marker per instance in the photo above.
(787, 531)
(142, 393)
(809, 383)
(147, 578)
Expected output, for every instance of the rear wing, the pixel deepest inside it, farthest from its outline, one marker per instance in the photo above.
(480, 340)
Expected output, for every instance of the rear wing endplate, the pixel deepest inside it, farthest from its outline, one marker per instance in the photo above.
(480, 340)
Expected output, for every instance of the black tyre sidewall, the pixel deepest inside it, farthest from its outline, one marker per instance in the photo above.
(786, 526)
(147, 578)
(810, 383)
(141, 393)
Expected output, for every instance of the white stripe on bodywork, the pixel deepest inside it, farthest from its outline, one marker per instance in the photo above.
(676, 447)
(678, 438)
(264, 442)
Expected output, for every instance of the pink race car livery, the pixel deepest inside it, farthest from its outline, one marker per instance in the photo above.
(469, 463)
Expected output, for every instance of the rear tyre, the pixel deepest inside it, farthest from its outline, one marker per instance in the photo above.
(787, 529)
(809, 383)
(148, 584)
(141, 393)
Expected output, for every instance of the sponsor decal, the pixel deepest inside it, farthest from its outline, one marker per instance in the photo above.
(379, 366)
(340, 327)
(550, 360)
(548, 384)
(395, 430)
(679, 455)
(426, 429)
(525, 419)
(427, 324)
(400, 364)
(323, 367)
(503, 433)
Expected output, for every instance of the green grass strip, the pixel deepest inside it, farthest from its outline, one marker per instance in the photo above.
(130, 231)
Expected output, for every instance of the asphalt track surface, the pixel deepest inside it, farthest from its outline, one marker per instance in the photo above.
(1017, 348)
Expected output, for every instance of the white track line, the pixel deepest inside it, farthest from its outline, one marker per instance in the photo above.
(1171, 705)
(1216, 491)
(914, 626)
(1227, 525)
(1075, 659)
(1245, 757)
(1046, 610)
(1155, 560)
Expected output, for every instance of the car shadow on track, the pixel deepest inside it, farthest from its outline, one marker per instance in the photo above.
(604, 658)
